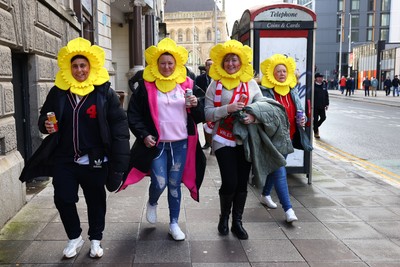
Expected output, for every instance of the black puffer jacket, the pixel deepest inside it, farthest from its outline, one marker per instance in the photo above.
(113, 126)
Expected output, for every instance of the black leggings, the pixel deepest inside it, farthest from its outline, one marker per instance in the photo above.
(234, 170)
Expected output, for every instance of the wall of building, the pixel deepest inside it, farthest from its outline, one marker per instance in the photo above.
(120, 45)
(325, 39)
(34, 31)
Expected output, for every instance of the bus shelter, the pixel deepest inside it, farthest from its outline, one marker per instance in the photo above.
(284, 29)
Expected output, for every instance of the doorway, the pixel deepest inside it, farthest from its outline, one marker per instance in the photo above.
(21, 104)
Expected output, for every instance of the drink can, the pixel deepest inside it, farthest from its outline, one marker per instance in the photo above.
(51, 116)
(188, 92)
(242, 98)
(299, 116)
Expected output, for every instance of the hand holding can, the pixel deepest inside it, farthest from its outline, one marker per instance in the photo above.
(242, 98)
(51, 117)
(300, 118)
(188, 94)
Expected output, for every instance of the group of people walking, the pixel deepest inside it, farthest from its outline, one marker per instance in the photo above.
(370, 84)
(388, 84)
(252, 128)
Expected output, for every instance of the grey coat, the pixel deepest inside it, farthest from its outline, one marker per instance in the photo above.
(266, 141)
(300, 140)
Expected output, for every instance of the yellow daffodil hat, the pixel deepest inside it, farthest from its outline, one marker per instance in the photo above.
(151, 73)
(217, 72)
(96, 56)
(267, 69)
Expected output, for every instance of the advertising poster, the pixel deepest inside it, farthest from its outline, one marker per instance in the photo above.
(297, 49)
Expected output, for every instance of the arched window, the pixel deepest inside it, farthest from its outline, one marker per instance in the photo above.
(218, 35)
(180, 36)
(209, 35)
(172, 35)
(188, 35)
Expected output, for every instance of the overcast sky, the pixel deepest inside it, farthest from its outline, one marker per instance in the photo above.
(234, 8)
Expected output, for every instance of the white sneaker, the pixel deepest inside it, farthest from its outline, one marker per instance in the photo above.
(176, 232)
(96, 251)
(72, 246)
(151, 213)
(290, 216)
(267, 200)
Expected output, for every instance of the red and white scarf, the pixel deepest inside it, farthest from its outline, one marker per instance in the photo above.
(224, 133)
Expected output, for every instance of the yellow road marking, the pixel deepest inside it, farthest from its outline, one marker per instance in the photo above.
(384, 173)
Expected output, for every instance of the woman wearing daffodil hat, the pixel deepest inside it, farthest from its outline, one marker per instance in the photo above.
(278, 82)
(232, 89)
(90, 146)
(163, 121)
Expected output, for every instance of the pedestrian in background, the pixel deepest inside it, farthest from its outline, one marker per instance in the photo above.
(395, 84)
(366, 84)
(163, 118)
(342, 84)
(349, 86)
(374, 86)
(203, 81)
(321, 103)
(387, 84)
(278, 82)
(88, 148)
(353, 87)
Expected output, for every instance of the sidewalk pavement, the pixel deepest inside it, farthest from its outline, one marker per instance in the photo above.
(359, 95)
(347, 217)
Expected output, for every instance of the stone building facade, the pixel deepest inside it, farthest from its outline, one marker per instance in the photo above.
(192, 25)
(31, 34)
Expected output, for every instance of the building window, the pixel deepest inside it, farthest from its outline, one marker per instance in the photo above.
(370, 35)
(355, 20)
(218, 35)
(209, 35)
(371, 5)
(385, 5)
(384, 35)
(354, 36)
(370, 20)
(188, 34)
(180, 36)
(340, 6)
(84, 12)
(385, 20)
(172, 35)
(339, 20)
(355, 5)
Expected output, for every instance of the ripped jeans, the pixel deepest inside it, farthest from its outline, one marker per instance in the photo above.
(166, 170)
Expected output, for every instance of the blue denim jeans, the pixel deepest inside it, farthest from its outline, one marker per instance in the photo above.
(395, 91)
(166, 170)
(278, 179)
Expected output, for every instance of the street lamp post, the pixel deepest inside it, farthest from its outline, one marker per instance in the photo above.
(216, 19)
(340, 47)
(193, 54)
(348, 64)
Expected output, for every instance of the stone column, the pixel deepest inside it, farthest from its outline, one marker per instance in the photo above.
(135, 38)
(149, 29)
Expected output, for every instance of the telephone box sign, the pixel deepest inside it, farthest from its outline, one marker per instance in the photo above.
(283, 18)
(283, 14)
